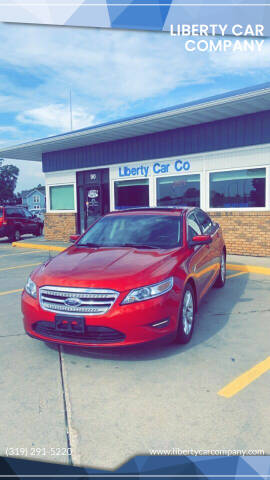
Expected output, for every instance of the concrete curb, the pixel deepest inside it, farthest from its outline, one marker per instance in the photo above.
(230, 266)
(35, 246)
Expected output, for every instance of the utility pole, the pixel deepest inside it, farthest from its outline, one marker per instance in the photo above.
(70, 109)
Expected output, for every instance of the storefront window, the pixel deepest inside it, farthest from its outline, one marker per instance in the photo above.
(62, 197)
(131, 194)
(238, 188)
(179, 190)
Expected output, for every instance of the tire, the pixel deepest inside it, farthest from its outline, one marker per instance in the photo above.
(186, 316)
(39, 232)
(15, 235)
(221, 279)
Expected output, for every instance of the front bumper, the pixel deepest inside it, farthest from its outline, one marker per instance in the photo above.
(133, 322)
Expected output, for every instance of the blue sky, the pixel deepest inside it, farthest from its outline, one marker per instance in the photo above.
(112, 74)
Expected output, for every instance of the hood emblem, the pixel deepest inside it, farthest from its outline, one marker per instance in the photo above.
(72, 302)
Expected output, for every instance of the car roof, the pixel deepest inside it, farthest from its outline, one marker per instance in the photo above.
(156, 210)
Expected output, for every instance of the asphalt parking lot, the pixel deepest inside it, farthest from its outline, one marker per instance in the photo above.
(108, 406)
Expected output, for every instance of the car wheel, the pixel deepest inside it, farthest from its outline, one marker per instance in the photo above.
(16, 235)
(186, 316)
(39, 232)
(221, 279)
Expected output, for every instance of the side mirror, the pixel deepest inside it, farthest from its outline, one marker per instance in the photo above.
(200, 240)
(74, 238)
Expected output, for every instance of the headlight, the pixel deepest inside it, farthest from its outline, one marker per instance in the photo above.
(31, 288)
(149, 291)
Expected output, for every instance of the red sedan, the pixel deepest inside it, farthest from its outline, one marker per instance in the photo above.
(135, 276)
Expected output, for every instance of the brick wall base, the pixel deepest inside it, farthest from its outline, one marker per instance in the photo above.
(59, 226)
(245, 233)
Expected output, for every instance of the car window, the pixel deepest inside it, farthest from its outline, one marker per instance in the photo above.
(193, 227)
(19, 213)
(10, 212)
(158, 231)
(28, 214)
(1, 212)
(204, 221)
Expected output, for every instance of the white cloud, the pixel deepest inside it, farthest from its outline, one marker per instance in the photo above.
(57, 116)
(108, 70)
(242, 62)
(7, 129)
(111, 73)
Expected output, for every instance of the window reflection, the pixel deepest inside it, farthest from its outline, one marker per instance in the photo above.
(238, 188)
(179, 190)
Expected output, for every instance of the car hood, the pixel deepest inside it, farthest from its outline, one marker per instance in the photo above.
(116, 268)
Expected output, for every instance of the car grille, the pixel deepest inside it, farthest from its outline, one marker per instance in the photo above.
(78, 301)
(93, 334)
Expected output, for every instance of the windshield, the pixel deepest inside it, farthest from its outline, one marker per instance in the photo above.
(145, 231)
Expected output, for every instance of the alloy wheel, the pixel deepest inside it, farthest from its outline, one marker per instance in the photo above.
(222, 268)
(188, 312)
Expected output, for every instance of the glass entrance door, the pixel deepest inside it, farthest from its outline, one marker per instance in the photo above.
(93, 203)
(93, 196)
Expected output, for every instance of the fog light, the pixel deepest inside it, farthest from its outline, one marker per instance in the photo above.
(161, 323)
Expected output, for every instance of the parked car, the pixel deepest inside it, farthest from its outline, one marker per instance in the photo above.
(16, 221)
(135, 276)
(39, 215)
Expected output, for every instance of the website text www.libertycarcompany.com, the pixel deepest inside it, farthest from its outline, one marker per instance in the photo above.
(195, 452)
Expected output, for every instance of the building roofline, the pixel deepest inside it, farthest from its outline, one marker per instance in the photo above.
(230, 104)
(33, 191)
(167, 110)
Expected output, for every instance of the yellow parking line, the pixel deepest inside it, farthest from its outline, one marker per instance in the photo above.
(249, 269)
(11, 291)
(245, 379)
(38, 247)
(20, 266)
(236, 275)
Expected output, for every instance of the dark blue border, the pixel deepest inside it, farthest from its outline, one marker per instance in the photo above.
(154, 467)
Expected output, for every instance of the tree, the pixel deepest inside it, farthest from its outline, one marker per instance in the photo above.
(8, 180)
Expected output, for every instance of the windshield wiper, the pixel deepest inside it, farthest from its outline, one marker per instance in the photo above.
(89, 245)
(135, 245)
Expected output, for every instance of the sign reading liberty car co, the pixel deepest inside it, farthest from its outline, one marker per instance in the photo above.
(158, 168)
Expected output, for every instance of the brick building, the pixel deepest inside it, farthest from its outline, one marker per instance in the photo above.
(213, 153)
